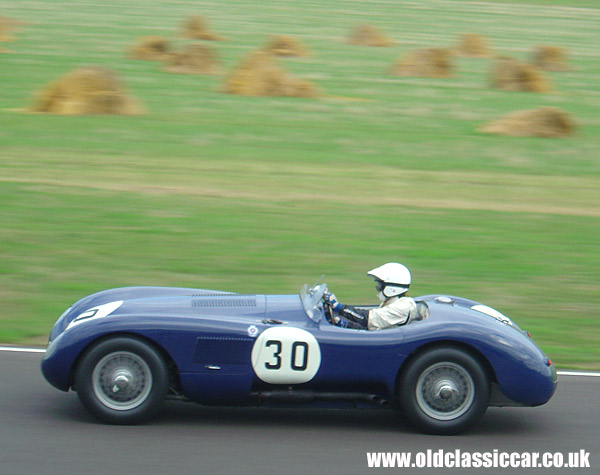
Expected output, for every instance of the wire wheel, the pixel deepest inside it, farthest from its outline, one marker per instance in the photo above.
(445, 391)
(122, 381)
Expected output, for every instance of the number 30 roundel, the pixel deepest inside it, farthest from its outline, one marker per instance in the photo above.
(286, 355)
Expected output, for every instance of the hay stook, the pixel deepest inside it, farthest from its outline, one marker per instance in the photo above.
(540, 122)
(472, 45)
(551, 58)
(283, 45)
(425, 62)
(508, 74)
(151, 48)
(6, 34)
(193, 59)
(7, 27)
(258, 74)
(368, 35)
(196, 27)
(88, 90)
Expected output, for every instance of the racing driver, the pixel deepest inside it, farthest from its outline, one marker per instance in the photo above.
(392, 281)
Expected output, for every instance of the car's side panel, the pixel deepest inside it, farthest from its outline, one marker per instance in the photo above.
(213, 366)
(368, 360)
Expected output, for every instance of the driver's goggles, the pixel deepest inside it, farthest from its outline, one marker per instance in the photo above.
(379, 285)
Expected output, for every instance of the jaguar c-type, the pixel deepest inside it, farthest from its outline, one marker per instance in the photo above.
(124, 351)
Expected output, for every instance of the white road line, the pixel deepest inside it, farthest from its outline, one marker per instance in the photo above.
(577, 373)
(22, 350)
(42, 350)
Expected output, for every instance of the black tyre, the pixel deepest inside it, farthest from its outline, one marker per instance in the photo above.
(122, 381)
(444, 391)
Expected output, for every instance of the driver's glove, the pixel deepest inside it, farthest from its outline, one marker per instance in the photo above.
(340, 322)
(331, 299)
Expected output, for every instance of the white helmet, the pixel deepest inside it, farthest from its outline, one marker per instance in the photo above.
(391, 279)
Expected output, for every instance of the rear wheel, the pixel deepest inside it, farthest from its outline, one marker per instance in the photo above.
(444, 391)
(122, 381)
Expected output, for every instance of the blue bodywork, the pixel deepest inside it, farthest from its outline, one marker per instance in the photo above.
(208, 338)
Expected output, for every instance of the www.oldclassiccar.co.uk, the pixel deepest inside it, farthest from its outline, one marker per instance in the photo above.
(492, 459)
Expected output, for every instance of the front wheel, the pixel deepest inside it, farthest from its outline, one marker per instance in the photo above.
(122, 381)
(444, 391)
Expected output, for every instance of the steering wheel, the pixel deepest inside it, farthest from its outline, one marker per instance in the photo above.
(328, 312)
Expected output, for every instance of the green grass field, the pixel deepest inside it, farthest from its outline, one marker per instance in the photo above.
(210, 190)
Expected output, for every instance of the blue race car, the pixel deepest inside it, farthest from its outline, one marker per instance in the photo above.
(126, 350)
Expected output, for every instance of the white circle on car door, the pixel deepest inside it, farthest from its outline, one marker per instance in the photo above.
(286, 355)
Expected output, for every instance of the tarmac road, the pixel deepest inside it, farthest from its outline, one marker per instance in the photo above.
(46, 431)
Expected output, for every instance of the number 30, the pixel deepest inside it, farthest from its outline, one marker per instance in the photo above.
(285, 355)
(294, 355)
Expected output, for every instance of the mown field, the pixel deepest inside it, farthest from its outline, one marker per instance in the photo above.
(247, 194)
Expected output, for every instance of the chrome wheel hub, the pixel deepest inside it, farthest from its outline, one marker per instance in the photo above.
(122, 381)
(445, 391)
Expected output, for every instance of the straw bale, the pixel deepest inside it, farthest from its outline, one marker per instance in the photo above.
(507, 74)
(551, 58)
(368, 35)
(83, 91)
(472, 45)
(194, 59)
(540, 122)
(197, 27)
(11, 22)
(425, 62)
(6, 28)
(6, 35)
(282, 45)
(258, 74)
(151, 48)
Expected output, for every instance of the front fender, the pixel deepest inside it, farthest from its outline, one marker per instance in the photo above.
(60, 358)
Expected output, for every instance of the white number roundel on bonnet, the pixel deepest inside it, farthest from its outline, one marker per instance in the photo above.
(286, 355)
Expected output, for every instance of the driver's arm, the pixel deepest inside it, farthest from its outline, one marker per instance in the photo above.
(358, 316)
